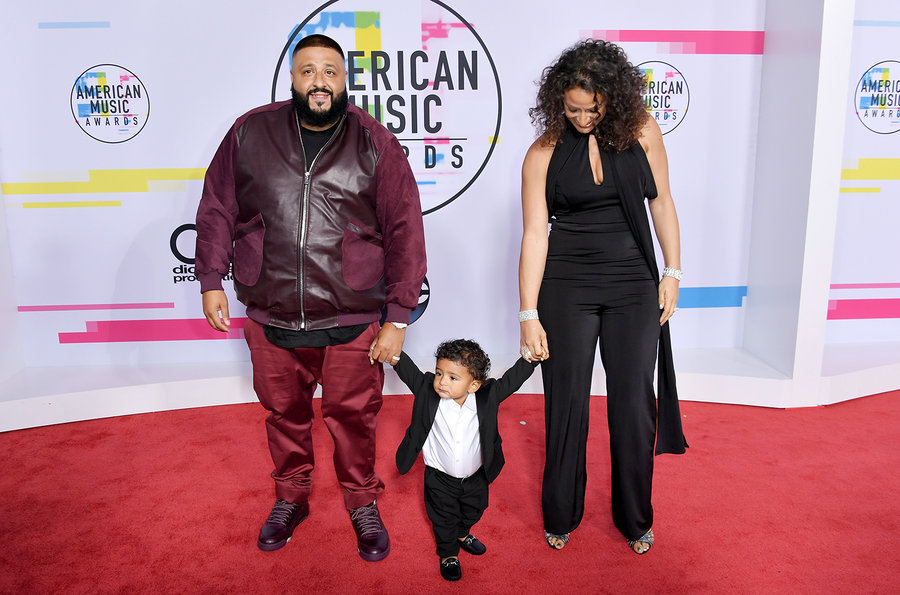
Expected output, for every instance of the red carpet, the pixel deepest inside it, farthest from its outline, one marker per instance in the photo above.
(765, 501)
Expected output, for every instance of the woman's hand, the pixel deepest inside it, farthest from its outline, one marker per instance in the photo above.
(668, 298)
(533, 341)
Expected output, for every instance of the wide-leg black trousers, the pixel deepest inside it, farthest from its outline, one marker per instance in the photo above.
(624, 317)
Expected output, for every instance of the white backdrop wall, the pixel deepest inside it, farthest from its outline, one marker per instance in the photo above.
(10, 347)
(96, 209)
(76, 243)
(865, 286)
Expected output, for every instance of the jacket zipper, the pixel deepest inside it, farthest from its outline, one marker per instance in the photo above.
(305, 209)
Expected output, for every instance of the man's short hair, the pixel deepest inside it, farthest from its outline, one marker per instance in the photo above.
(317, 40)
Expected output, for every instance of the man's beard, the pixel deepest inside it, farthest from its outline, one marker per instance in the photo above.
(318, 118)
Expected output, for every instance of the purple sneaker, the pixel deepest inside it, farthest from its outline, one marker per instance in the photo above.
(372, 539)
(280, 525)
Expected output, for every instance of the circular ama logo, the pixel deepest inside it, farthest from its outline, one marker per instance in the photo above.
(110, 103)
(666, 95)
(877, 98)
(423, 71)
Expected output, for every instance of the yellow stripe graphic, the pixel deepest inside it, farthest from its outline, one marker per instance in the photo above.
(368, 33)
(874, 169)
(71, 204)
(108, 181)
(860, 189)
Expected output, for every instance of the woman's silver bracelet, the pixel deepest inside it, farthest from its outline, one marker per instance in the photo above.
(528, 315)
(674, 273)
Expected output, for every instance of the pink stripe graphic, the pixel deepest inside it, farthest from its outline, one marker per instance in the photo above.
(438, 30)
(70, 307)
(865, 286)
(674, 41)
(121, 331)
(863, 309)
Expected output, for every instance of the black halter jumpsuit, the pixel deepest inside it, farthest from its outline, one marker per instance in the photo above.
(597, 286)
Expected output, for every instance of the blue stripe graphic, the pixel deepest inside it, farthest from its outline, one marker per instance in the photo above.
(74, 25)
(712, 297)
(861, 23)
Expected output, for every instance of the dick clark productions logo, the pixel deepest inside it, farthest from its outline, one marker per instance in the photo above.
(110, 103)
(423, 71)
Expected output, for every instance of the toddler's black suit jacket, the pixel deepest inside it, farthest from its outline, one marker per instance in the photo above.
(425, 406)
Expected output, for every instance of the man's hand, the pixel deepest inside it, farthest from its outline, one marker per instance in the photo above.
(215, 308)
(387, 345)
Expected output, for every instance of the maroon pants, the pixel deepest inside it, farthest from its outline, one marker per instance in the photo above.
(285, 380)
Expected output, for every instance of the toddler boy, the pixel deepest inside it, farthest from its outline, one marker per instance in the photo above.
(454, 425)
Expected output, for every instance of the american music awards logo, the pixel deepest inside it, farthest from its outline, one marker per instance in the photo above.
(877, 97)
(423, 71)
(424, 297)
(666, 95)
(110, 103)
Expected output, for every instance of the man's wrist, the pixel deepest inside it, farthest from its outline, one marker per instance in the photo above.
(209, 281)
(399, 325)
(397, 313)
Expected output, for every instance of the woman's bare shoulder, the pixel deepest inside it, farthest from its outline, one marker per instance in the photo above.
(539, 152)
(650, 134)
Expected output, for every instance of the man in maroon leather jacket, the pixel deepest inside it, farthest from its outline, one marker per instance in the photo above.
(316, 204)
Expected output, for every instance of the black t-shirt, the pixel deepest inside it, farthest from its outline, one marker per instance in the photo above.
(313, 141)
(290, 339)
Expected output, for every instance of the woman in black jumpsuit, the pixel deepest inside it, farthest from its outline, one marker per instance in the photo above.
(595, 278)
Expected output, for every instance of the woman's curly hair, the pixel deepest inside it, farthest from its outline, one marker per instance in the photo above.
(467, 354)
(597, 67)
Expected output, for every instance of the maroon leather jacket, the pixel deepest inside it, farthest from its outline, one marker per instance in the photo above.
(319, 251)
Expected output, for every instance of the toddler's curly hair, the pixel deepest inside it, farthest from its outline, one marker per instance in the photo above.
(468, 354)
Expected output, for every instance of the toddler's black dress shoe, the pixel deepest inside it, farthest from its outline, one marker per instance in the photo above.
(451, 570)
(472, 545)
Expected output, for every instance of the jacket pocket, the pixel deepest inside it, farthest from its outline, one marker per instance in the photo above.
(248, 250)
(362, 256)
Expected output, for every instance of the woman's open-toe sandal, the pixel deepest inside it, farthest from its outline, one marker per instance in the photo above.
(646, 538)
(561, 540)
